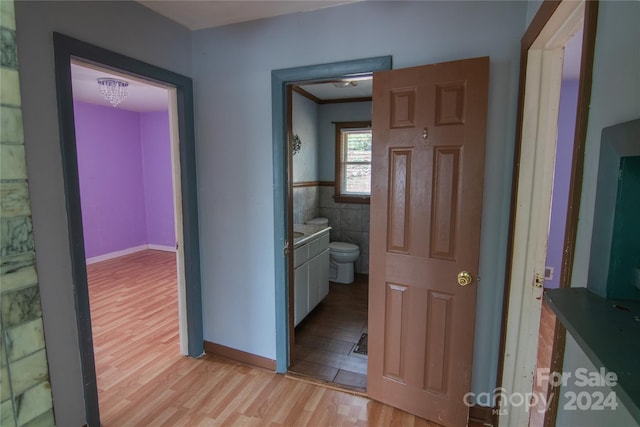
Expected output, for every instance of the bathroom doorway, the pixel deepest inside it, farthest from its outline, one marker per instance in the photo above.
(330, 343)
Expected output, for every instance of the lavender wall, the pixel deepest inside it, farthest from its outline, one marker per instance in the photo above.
(158, 185)
(111, 186)
(124, 166)
(562, 173)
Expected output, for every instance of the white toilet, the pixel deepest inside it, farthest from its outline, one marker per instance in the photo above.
(342, 255)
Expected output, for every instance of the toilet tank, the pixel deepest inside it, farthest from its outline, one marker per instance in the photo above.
(318, 221)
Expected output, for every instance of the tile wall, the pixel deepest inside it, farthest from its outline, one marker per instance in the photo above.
(25, 392)
(306, 203)
(349, 221)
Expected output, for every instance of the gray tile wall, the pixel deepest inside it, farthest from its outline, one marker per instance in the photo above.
(306, 204)
(349, 223)
(25, 392)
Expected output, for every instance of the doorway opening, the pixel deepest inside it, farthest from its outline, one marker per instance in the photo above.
(558, 217)
(183, 169)
(283, 191)
(397, 340)
(542, 60)
(330, 121)
(127, 170)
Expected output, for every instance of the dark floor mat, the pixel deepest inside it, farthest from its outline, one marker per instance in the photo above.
(361, 347)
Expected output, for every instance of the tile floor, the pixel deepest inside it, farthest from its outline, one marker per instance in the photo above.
(326, 338)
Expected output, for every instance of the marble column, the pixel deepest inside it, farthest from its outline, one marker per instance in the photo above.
(25, 392)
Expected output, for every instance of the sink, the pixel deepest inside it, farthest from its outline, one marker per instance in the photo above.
(297, 234)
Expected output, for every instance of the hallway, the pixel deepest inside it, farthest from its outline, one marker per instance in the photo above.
(142, 380)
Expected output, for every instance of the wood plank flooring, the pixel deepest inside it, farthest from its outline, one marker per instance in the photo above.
(545, 344)
(143, 381)
(326, 338)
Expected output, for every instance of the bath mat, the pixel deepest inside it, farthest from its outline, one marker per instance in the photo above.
(361, 347)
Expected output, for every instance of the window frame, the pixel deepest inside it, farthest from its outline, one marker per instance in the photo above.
(339, 196)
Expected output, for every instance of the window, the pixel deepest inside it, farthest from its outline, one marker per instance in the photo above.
(353, 162)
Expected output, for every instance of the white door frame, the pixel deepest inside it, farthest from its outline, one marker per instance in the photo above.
(533, 206)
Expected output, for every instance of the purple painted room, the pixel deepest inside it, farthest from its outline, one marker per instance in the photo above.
(564, 153)
(124, 166)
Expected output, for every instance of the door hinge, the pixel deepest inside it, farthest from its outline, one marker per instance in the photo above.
(286, 248)
(538, 280)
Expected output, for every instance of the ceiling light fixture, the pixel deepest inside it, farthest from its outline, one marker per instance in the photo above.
(113, 90)
(345, 83)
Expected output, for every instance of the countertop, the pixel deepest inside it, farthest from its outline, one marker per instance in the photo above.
(309, 233)
(608, 331)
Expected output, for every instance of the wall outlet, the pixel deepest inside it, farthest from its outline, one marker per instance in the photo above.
(548, 273)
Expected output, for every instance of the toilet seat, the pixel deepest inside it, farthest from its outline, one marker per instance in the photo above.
(343, 247)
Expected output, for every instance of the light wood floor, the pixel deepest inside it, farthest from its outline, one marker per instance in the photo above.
(545, 345)
(142, 381)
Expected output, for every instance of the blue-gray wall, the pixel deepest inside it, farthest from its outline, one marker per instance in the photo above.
(305, 125)
(232, 71)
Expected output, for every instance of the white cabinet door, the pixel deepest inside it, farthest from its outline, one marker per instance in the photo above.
(323, 281)
(314, 282)
(300, 293)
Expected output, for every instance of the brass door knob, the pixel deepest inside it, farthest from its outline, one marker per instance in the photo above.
(464, 278)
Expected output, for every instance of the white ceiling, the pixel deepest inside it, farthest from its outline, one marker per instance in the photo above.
(328, 91)
(143, 96)
(196, 15)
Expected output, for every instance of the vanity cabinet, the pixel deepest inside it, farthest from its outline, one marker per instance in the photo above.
(311, 275)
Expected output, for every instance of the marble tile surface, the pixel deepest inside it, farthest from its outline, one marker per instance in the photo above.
(3, 358)
(10, 87)
(5, 386)
(8, 51)
(12, 162)
(17, 272)
(33, 403)
(20, 306)
(28, 372)
(24, 339)
(25, 393)
(11, 131)
(7, 15)
(6, 407)
(14, 199)
(17, 235)
(44, 420)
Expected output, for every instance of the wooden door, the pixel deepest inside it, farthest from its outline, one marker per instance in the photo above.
(429, 126)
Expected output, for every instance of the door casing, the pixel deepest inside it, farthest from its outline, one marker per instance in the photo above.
(66, 49)
(541, 69)
(282, 233)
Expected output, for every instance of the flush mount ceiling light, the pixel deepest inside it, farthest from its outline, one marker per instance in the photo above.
(345, 83)
(113, 90)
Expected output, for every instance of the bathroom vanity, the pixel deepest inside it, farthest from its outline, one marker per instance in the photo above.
(311, 268)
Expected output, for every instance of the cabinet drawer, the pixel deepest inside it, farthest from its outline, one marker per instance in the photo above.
(318, 245)
(300, 255)
(314, 248)
(324, 242)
